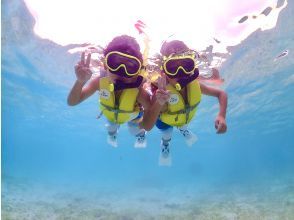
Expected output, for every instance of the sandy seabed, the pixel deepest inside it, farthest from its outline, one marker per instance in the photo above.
(24, 201)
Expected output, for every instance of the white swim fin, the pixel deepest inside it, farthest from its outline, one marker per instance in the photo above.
(165, 158)
(141, 141)
(190, 137)
(112, 140)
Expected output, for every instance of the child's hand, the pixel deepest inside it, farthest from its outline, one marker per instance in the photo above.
(220, 124)
(161, 82)
(162, 96)
(82, 69)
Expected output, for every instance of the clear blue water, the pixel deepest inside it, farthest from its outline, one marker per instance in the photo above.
(56, 163)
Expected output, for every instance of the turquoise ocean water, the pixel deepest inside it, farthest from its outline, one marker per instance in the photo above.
(56, 163)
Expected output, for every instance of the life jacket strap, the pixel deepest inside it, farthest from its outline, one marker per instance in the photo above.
(185, 111)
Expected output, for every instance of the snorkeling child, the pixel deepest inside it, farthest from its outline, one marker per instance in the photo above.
(178, 66)
(122, 97)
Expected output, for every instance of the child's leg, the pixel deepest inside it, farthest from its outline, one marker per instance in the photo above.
(112, 129)
(134, 128)
(189, 136)
(165, 158)
(166, 131)
(184, 130)
(166, 134)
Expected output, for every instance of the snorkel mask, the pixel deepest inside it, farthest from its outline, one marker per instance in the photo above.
(182, 67)
(122, 64)
(126, 66)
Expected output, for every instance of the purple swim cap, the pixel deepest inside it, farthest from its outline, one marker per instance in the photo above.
(175, 46)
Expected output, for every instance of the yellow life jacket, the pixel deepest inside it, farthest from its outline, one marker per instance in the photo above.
(180, 113)
(118, 111)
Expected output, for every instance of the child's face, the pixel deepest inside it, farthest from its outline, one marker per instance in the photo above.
(179, 66)
(115, 77)
(122, 64)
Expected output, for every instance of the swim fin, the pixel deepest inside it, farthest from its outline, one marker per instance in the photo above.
(141, 141)
(189, 136)
(112, 140)
(165, 158)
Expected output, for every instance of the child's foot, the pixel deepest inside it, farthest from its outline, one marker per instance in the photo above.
(189, 136)
(165, 156)
(141, 140)
(112, 140)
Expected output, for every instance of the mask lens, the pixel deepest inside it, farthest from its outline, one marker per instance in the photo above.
(173, 65)
(188, 64)
(116, 61)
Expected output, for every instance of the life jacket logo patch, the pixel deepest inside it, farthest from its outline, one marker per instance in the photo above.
(174, 99)
(105, 94)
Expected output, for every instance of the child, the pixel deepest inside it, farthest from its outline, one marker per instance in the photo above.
(122, 97)
(179, 68)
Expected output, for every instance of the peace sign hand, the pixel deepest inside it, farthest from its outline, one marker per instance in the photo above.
(82, 69)
(161, 82)
(162, 95)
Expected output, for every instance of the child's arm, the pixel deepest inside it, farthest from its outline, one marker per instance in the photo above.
(79, 91)
(220, 121)
(156, 103)
(151, 114)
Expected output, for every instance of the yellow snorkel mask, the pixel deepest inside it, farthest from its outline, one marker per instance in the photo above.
(182, 67)
(177, 66)
(123, 64)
